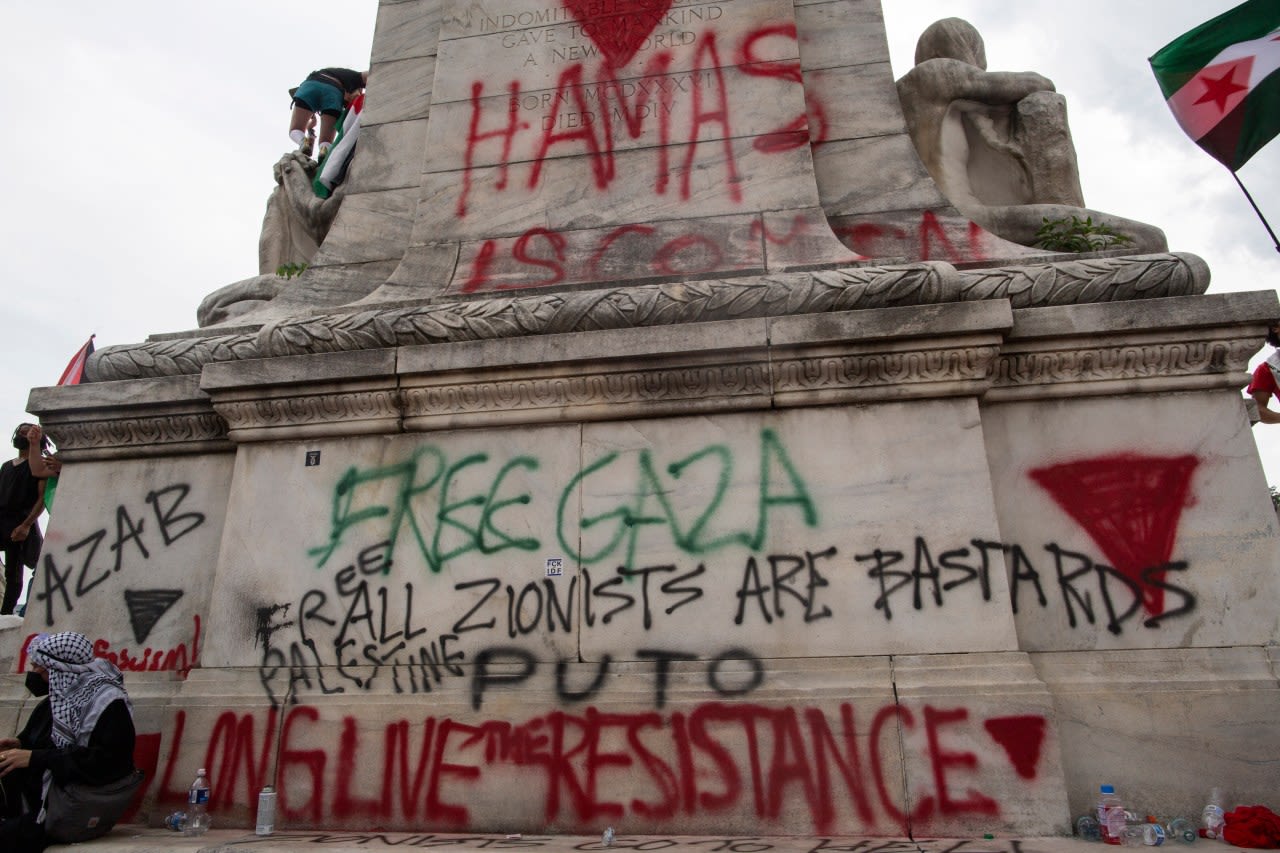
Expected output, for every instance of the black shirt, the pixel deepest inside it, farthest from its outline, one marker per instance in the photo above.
(345, 79)
(19, 492)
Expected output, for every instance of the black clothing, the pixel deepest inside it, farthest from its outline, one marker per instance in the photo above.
(19, 492)
(107, 758)
(350, 82)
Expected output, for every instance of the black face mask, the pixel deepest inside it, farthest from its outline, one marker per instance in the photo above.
(21, 443)
(37, 684)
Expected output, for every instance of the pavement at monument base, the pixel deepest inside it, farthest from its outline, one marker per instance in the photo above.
(131, 840)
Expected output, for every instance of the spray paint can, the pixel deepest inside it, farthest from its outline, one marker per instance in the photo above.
(266, 811)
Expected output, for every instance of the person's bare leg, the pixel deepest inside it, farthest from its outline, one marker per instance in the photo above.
(301, 119)
(328, 128)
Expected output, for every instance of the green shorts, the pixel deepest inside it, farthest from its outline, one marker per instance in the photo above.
(319, 97)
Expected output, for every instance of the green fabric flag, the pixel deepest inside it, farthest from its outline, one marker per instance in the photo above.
(1222, 81)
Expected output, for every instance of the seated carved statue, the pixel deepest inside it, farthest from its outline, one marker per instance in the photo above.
(997, 142)
(293, 228)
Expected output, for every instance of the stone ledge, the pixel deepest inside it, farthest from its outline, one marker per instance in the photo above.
(145, 417)
(1109, 279)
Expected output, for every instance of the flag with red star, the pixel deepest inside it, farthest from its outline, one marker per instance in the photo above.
(1222, 81)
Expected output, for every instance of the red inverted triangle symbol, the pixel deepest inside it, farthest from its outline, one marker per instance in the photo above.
(1022, 737)
(620, 33)
(1129, 505)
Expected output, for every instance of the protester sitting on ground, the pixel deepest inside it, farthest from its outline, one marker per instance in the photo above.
(1265, 383)
(327, 92)
(44, 465)
(82, 732)
(21, 502)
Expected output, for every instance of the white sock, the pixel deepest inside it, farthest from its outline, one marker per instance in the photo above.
(296, 136)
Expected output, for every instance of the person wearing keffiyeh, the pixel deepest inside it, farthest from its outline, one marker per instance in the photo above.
(82, 732)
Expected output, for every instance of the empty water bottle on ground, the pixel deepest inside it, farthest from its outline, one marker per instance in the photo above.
(266, 811)
(1182, 829)
(1212, 818)
(1133, 835)
(1088, 828)
(1153, 833)
(1111, 817)
(198, 805)
(176, 821)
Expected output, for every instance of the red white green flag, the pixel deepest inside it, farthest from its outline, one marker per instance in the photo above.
(1222, 81)
(74, 373)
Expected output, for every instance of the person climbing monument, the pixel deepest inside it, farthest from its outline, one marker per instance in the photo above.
(44, 465)
(325, 92)
(1265, 383)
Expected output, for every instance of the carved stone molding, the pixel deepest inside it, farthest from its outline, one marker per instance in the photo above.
(280, 414)
(864, 376)
(1065, 282)
(168, 357)
(1098, 367)
(596, 394)
(139, 435)
(1089, 280)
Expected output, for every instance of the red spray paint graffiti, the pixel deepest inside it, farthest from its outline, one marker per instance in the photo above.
(594, 765)
(1130, 506)
(590, 112)
(181, 659)
(618, 36)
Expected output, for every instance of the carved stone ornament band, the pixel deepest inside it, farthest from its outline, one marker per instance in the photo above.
(1109, 279)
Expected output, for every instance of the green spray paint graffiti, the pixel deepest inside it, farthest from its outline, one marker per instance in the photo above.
(650, 505)
(448, 526)
(451, 509)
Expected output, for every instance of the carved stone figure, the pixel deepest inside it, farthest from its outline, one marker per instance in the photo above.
(293, 228)
(997, 142)
(297, 220)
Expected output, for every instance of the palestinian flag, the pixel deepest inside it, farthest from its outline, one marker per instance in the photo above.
(74, 374)
(333, 167)
(1221, 81)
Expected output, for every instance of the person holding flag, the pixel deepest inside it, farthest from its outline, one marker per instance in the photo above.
(327, 92)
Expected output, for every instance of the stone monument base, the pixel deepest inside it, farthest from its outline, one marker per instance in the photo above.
(927, 571)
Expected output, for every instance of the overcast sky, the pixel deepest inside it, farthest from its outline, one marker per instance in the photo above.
(141, 136)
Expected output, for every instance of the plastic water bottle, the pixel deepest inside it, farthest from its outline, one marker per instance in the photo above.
(1111, 818)
(176, 822)
(607, 837)
(1153, 833)
(266, 811)
(1182, 829)
(1133, 835)
(1088, 828)
(1212, 818)
(198, 805)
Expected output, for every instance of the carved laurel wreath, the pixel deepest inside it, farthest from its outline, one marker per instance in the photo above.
(1063, 283)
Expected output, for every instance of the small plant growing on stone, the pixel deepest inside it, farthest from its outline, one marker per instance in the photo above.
(1078, 235)
(290, 270)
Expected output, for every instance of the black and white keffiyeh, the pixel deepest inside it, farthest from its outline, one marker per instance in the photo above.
(80, 685)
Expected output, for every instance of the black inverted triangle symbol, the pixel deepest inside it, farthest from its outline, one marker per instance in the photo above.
(146, 607)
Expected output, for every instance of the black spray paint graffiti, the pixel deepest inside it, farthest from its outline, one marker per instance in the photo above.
(364, 631)
(92, 560)
(1075, 577)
